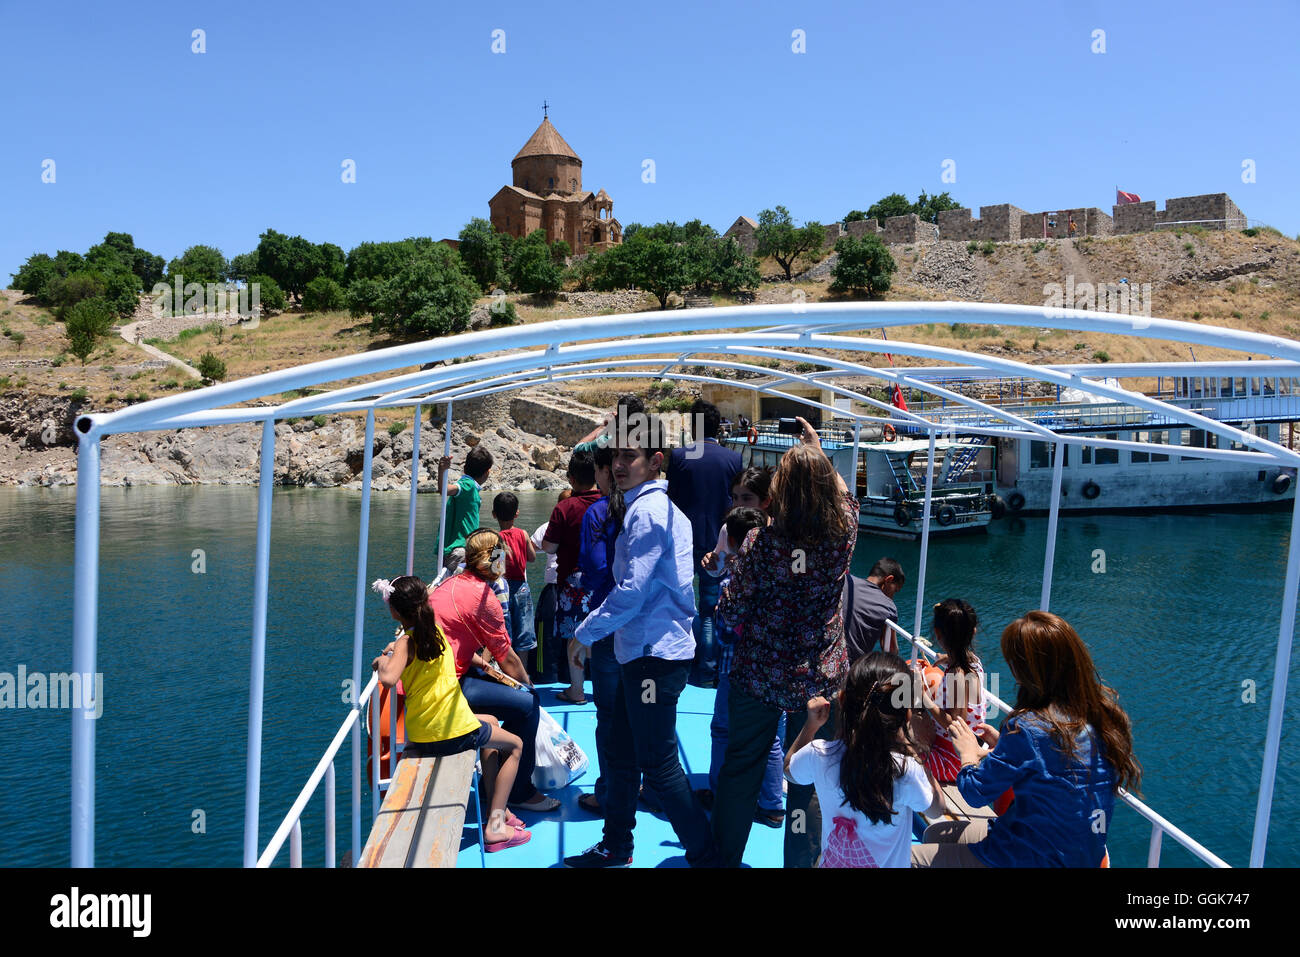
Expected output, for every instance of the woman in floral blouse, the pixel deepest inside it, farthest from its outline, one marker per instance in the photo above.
(784, 598)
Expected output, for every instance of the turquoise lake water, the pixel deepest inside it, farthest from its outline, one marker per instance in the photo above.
(1185, 612)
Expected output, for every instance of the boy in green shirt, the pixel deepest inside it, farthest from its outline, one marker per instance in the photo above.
(463, 503)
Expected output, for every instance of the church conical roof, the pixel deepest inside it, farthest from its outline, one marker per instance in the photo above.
(546, 141)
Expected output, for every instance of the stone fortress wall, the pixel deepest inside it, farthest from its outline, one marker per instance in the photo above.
(1005, 222)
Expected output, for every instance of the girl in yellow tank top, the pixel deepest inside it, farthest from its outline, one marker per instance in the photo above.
(439, 721)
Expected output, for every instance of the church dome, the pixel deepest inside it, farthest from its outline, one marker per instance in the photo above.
(546, 141)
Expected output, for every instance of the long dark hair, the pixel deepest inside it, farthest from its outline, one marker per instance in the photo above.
(954, 624)
(410, 599)
(873, 708)
(1059, 683)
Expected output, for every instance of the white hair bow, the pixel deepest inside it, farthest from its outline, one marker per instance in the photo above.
(383, 587)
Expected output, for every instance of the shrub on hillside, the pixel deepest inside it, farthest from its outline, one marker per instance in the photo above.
(270, 295)
(431, 296)
(862, 265)
(323, 295)
(211, 369)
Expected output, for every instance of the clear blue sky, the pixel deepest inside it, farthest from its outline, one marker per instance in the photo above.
(179, 148)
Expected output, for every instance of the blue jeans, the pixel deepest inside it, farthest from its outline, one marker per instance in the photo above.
(644, 740)
(605, 688)
(770, 797)
(704, 670)
(519, 620)
(519, 712)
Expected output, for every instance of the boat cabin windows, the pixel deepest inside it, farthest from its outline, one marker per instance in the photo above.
(1156, 438)
(1102, 456)
(1040, 455)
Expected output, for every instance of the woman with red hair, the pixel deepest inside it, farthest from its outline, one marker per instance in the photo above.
(1065, 750)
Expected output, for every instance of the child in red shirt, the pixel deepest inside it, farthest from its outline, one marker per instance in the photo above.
(519, 552)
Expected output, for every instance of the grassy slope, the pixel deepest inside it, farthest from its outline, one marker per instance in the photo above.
(1014, 273)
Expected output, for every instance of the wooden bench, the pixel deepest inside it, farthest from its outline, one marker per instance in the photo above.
(423, 814)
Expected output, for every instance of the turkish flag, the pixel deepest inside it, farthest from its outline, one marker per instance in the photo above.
(1122, 198)
(898, 400)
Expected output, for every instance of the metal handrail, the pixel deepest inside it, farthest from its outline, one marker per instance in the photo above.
(1159, 825)
(290, 824)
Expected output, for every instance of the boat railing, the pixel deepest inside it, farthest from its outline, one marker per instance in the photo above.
(291, 826)
(1159, 824)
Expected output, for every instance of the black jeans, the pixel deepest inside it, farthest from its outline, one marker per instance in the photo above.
(753, 724)
(644, 740)
(548, 659)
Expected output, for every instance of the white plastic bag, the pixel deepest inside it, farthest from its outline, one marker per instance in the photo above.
(560, 761)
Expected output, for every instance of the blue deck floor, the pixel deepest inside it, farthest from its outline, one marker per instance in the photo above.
(571, 830)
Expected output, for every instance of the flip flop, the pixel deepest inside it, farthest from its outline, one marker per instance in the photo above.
(589, 804)
(544, 806)
(563, 696)
(513, 821)
(519, 837)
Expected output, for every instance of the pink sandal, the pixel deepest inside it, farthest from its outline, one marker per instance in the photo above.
(520, 836)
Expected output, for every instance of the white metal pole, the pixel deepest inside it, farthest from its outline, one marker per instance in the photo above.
(442, 490)
(1054, 511)
(295, 844)
(257, 664)
(85, 610)
(1277, 697)
(415, 490)
(857, 434)
(358, 627)
(329, 815)
(925, 537)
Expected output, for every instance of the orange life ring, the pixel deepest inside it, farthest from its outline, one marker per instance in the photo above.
(889, 433)
(753, 436)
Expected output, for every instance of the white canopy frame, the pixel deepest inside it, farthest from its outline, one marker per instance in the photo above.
(574, 351)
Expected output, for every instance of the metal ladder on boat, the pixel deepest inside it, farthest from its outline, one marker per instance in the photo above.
(898, 482)
(963, 460)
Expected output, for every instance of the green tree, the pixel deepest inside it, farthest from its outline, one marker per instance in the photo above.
(293, 261)
(895, 204)
(532, 268)
(211, 369)
(333, 262)
(854, 216)
(381, 260)
(630, 230)
(242, 267)
(560, 252)
(583, 271)
(34, 276)
(323, 295)
(432, 295)
(734, 270)
(148, 268)
(480, 250)
(84, 322)
(201, 264)
(780, 238)
(66, 291)
(863, 265)
(659, 267)
(363, 296)
(269, 294)
(929, 207)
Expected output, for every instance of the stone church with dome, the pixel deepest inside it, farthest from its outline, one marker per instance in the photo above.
(547, 194)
